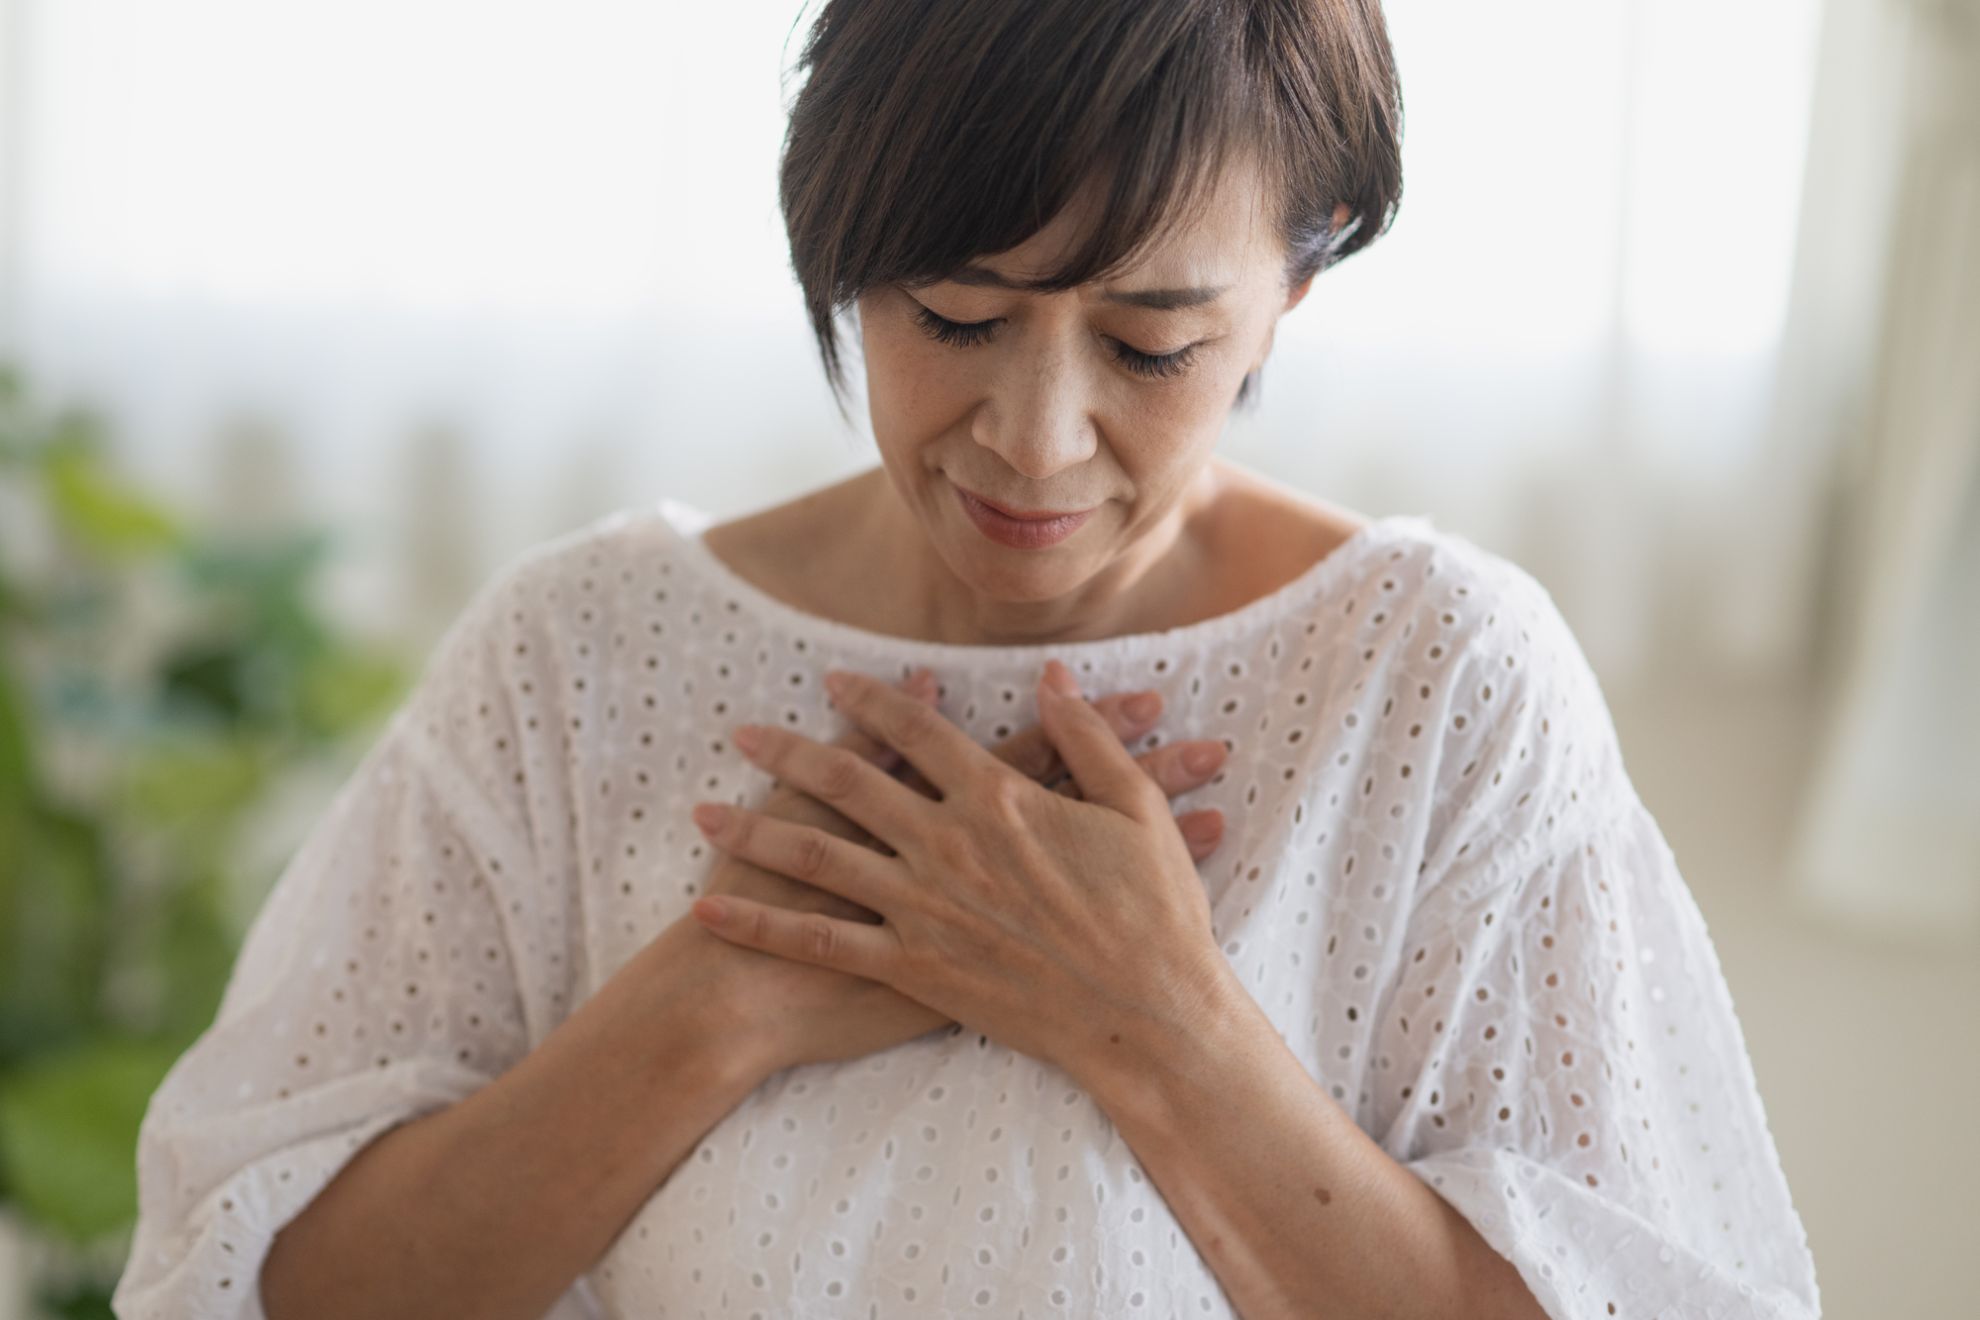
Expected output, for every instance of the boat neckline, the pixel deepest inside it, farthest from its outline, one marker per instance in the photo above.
(688, 524)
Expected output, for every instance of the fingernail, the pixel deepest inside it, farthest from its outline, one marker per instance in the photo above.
(1142, 707)
(711, 910)
(710, 815)
(748, 738)
(1060, 679)
(923, 683)
(1201, 827)
(836, 684)
(1202, 759)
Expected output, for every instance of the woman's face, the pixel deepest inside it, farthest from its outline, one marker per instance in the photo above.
(1109, 397)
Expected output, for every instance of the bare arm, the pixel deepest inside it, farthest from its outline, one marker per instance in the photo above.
(1287, 1200)
(493, 1206)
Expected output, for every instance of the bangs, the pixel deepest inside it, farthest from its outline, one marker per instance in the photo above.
(931, 133)
(1118, 99)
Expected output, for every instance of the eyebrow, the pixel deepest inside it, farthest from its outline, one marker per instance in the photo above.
(1162, 300)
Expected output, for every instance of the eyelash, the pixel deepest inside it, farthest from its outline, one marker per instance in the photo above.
(960, 334)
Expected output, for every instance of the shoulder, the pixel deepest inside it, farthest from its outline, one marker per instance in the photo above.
(595, 558)
(524, 683)
(544, 620)
(563, 585)
(1511, 725)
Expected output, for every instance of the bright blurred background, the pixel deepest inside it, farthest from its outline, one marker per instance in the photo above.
(313, 315)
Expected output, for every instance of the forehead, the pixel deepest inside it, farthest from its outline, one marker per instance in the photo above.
(1225, 237)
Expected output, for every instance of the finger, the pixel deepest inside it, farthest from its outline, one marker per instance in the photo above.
(852, 947)
(838, 866)
(1202, 831)
(1106, 773)
(920, 686)
(1182, 766)
(945, 755)
(840, 778)
(1031, 753)
(1176, 768)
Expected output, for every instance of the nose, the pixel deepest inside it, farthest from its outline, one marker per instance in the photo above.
(1036, 416)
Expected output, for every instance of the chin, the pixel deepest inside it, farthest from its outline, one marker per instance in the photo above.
(1017, 576)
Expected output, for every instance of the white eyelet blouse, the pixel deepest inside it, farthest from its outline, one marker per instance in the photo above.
(1436, 879)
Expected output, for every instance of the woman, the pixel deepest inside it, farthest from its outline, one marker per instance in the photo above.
(1410, 1013)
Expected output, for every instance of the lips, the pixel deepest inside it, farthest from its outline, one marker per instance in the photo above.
(1041, 515)
(1020, 532)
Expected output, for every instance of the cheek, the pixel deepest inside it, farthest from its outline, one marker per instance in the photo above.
(911, 385)
(1188, 410)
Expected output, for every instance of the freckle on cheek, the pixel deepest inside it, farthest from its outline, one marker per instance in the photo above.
(1323, 1196)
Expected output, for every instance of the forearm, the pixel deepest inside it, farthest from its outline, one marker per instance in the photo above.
(1296, 1209)
(495, 1205)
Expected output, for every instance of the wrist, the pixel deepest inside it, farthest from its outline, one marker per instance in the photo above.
(694, 998)
(1156, 1061)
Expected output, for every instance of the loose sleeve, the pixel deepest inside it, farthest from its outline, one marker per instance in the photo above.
(1565, 1065)
(377, 983)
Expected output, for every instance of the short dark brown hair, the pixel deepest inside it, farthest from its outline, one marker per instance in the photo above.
(931, 132)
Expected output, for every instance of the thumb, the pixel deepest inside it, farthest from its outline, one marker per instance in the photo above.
(1092, 751)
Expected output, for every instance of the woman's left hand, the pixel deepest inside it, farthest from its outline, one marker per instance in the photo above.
(1053, 925)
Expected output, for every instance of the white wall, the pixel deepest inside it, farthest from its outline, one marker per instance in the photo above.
(550, 231)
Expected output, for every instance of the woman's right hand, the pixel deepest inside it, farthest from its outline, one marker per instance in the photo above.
(799, 1013)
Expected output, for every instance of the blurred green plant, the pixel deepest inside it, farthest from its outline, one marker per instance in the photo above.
(157, 681)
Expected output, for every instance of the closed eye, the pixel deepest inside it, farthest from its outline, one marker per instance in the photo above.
(965, 334)
(1153, 364)
(958, 333)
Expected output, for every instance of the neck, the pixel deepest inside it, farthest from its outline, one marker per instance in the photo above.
(1158, 572)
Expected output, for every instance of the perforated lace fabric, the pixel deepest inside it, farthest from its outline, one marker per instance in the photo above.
(1436, 879)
